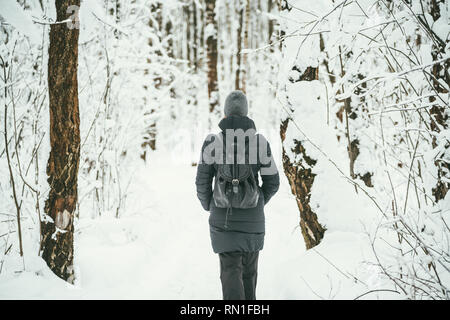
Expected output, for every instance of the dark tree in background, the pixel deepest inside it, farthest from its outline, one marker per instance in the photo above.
(211, 55)
(244, 17)
(245, 65)
(62, 167)
(240, 14)
(156, 25)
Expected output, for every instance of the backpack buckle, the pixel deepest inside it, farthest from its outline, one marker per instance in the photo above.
(235, 183)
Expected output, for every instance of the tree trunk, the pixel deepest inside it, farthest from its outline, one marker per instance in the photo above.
(271, 23)
(211, 55)
(246, 46)
(62, 167)
(282, 5)
(195, 33)
(229, 7)
(169, 47)
(187, 13)
(201, 48)
(156, 12)
(237, 83)
(117, 18)
(301, 178)
(346, 115)
(439, 117)
(352, 145)
(8, 158)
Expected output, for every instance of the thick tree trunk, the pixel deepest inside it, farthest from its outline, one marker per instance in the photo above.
(301, 178)
(62, 167)
(211, 55)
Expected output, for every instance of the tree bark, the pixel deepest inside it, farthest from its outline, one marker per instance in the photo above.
(187, 12)
(352, 145)
(271, 26)
(246, 46)
(201, 52)
(211, 55)
(195, 33)
(301, 178)
(299, 172)
(237, 83)
(156, 11)
(439, 117)
(62, 167)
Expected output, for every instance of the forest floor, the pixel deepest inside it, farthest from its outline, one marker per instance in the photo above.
(161, 250)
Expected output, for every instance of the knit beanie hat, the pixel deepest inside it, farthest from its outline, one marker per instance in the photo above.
(236, 104)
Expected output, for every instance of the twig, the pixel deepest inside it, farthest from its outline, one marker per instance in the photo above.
(16, 202)
(376, 290)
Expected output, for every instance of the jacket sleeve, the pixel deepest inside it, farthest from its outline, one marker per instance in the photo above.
(204, 179)
(269, 173)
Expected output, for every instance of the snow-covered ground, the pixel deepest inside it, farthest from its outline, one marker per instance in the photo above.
(159, 247)
(162, 250)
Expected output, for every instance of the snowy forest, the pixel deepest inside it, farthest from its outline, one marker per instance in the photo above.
(104, 105)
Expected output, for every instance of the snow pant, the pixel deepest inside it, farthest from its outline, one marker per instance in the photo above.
(238, 273)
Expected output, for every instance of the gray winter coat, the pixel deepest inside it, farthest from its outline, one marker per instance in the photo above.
(246, 227)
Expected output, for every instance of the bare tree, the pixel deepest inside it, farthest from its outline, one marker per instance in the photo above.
(8, 157)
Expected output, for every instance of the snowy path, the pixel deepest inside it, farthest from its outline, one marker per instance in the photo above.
(164, 250)
(161, 250)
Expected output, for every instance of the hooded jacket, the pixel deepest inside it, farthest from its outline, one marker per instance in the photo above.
(245, 227)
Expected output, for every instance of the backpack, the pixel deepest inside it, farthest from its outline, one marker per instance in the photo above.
(235, 186)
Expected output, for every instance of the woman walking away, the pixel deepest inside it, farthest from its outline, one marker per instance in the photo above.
(234, 161)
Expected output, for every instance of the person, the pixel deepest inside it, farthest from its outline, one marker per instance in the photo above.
(236, 230)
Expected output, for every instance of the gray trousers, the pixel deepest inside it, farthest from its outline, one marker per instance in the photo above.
(238, 273)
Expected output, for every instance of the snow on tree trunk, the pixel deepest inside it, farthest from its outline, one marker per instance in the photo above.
(62, 167)
(300, 176)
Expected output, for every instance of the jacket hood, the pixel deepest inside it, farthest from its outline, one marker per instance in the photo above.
(237, 122)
